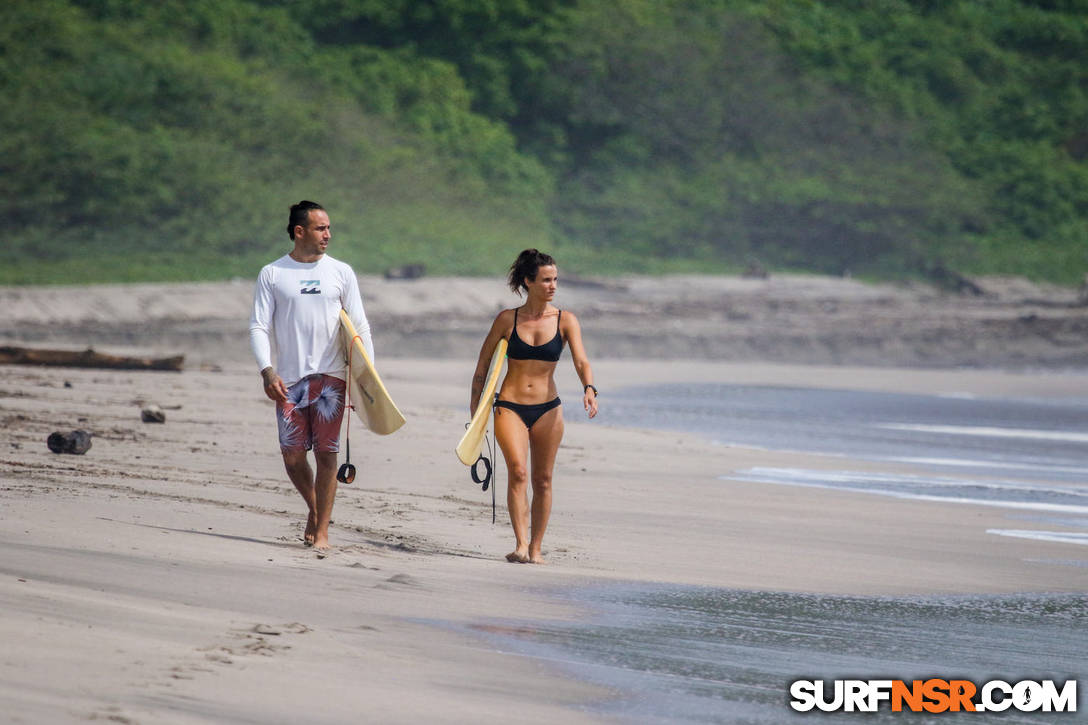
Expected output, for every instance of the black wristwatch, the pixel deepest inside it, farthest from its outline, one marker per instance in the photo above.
(591, 385)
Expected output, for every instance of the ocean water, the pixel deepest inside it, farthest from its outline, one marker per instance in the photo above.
(696, 655)
(1036, 439)
(685, 654)
(1029, 456)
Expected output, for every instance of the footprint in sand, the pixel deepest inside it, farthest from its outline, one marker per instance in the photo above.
(399, 580)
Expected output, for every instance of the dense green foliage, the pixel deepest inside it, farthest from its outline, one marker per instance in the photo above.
(165, 140)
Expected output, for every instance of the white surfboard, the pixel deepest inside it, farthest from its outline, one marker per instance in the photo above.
(468, 450)
(368, 395)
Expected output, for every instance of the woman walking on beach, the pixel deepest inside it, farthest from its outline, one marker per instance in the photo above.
(528, 413)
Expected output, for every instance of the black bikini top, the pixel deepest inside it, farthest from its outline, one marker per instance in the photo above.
(518, 349)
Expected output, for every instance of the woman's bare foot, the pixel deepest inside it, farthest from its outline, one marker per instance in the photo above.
(515, 557)
(536, 558)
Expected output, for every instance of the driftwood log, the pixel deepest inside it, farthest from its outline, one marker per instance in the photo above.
(86, 359)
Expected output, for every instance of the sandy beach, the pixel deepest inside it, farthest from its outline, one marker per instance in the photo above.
(161, 577)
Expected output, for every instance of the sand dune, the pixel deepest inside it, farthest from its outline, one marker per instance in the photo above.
(786, 319)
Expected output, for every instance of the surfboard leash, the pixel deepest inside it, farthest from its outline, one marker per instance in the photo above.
(488, 479)
(346, 472)
(491, 448)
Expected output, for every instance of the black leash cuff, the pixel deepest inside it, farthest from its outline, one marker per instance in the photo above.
(486, 478)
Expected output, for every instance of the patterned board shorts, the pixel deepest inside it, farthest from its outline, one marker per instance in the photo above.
(311, 416)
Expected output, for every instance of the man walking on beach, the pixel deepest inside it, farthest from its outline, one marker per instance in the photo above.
(297, 305)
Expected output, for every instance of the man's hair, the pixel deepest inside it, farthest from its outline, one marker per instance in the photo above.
(300, 215)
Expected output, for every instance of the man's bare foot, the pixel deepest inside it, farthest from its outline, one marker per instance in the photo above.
(515, 557)
(321, 545)
(311, 530)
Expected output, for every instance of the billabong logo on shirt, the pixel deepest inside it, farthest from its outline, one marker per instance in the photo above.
(310, 286)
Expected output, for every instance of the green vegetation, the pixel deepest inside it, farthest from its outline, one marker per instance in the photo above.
(165, 141)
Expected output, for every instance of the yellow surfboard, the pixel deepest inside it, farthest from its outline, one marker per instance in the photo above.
(368, 395)
(468, 450)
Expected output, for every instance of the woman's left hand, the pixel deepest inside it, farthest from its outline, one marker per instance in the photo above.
(590, 402)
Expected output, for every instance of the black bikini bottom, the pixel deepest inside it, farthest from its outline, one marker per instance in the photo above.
(529, 414)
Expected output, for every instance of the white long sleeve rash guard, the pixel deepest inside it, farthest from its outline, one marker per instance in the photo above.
(297, 305)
